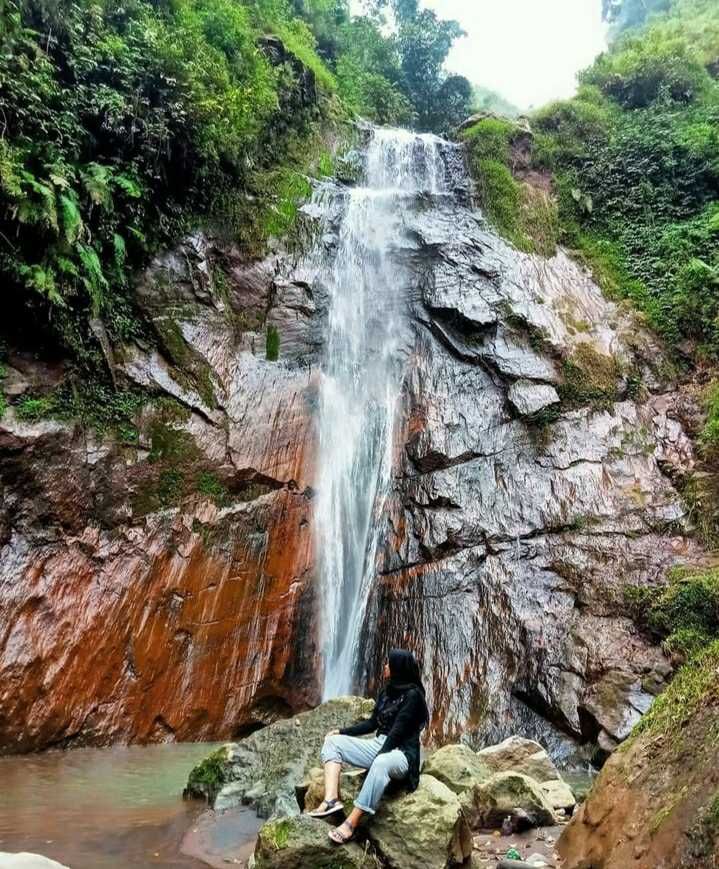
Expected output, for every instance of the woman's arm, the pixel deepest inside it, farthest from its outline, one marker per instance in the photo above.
(361, 728)
(409, 720)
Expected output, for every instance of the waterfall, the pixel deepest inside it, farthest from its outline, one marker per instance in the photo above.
(361, 381)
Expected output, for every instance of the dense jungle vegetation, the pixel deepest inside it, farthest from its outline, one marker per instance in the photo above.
(123, 125)
(634, 163)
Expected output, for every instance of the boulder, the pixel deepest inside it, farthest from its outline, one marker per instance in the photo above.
(507, 794)
(425, 829)
(520, 755)
(25, 860)
(301, 842)
(558, 794)
(263, 769)
(458, 767)
(312, 791)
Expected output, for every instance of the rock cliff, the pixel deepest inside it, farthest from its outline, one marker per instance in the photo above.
(162, 588)
(536, 476)
(165, 587)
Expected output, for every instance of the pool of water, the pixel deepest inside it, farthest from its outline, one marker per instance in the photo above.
(109, 808)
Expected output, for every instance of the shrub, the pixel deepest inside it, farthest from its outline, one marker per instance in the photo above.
(658, 64)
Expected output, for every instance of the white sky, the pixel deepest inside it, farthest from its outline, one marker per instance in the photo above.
(528, 50)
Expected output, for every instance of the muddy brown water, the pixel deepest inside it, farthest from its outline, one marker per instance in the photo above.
(115, 808)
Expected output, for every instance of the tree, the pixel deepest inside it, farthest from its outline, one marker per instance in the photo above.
(424, 42)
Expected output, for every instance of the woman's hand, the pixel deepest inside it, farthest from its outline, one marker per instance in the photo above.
(333, 733)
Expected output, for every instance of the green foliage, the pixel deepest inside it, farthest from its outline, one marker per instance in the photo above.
(31, 409)
(272, 349)
(524, 215)
(684, 613)
(656, 65)
(209, 486)
(709, 437)
(95, 404)
(689, 690)
(635, 159)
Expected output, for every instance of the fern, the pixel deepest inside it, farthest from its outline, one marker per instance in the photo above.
(96, 179)
(94, 281)
(129, 186)
(42, 280)
(119, 249)
(72, 223)
(40, 209)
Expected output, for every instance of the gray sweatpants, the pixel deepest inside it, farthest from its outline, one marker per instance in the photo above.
(364, 753)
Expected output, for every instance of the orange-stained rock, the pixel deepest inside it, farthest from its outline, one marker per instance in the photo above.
(162, 631)
(165, 591)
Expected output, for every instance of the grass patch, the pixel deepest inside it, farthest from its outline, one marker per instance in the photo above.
(590, 377)
(693, 685)
(524, 215)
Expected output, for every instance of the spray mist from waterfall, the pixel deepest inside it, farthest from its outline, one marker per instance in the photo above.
(361, 382)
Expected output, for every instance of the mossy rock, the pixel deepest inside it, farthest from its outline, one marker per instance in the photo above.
(207, 777)
(488, 804)
(302, 842)
(458, 767)
(425, 829)
(517, 754)
(264, 769)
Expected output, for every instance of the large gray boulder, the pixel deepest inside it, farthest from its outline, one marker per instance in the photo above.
(264, 769)
(520, 755)
(426, 829)
(458, 767)
(507, 794)
(301, 842)
(420, 830)
(559, 795)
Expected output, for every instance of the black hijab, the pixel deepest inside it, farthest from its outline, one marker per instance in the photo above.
(404, 675)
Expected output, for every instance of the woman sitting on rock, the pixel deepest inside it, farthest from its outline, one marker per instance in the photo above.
(399, 715)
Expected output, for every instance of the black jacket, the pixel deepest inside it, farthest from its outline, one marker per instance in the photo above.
(403, 734)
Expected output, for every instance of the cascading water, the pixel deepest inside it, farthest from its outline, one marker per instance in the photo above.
(362, 376)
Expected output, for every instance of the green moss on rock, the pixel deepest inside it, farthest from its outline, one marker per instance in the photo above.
(590, 377)
(207, 778)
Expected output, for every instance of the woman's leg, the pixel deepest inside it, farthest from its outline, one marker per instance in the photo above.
(345, 749)
(387, 766)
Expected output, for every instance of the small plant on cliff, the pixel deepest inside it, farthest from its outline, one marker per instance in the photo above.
(272, 348)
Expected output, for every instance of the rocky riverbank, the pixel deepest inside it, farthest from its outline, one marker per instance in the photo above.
(469, 805)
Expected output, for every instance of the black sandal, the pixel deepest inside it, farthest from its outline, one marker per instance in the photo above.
(340, 838)
(330, 808)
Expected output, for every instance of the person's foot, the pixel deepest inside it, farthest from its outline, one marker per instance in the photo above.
(343, 834)
(325, 808)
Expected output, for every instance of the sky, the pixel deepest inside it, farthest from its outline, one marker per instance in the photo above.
(528, 50)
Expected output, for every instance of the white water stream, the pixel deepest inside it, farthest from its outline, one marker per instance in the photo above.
(361, 381)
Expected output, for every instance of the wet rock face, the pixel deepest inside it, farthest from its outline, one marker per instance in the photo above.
(164, 590)
(535, 478)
